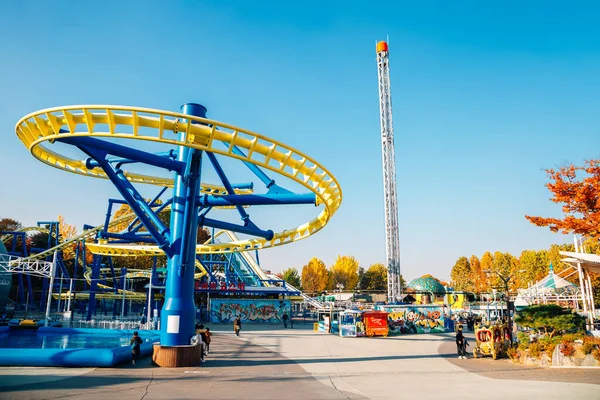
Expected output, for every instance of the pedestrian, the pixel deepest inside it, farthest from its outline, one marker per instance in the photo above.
(460, 343)
(237, 326)
(135, 343)
(208, 336)
(285, 319)
(201, 340)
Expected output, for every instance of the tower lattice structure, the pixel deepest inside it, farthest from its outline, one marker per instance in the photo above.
(392, 240)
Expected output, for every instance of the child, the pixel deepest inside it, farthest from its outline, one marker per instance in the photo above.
(208, 339)
(135, 343)
(237, 326)
(201, 339)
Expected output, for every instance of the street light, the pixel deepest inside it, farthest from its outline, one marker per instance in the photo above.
(507, 296)
(340, 287)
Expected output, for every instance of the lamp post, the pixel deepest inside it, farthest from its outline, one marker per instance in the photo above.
(340, 287)
(507, 296)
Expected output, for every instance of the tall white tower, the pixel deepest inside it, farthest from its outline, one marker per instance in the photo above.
(390, 197)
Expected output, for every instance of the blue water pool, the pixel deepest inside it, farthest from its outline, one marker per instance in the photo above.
(65, 347)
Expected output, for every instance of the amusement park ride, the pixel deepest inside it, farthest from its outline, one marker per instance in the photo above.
(392, 234)
(112, 141)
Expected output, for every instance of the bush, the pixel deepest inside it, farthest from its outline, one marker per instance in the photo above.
(535, 349)
(587, 348)
(590, 343)
(567, 349)
(513, 353)
(596, 354)
(523, 338)
(551, 319)
(550, 349)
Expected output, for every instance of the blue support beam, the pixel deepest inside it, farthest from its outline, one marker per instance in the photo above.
(121, 151)
(151, 222)
(249, 229)
(178, 315)
(256, 199)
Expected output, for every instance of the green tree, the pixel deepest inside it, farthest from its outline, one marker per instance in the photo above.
(377, 277)
(461, 275)
(314, 276)
(550, 318)
(292, 277)
(344, 271)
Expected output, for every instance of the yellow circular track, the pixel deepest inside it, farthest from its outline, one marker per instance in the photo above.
(41, 128)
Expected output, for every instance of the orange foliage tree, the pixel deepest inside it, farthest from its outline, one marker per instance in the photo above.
(578, 190)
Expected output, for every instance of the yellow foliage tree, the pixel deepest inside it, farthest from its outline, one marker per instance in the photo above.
(67, 231)
(344, 271)
(314, 276)
(376, 277)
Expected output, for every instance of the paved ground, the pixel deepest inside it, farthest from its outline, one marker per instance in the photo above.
(266, 363)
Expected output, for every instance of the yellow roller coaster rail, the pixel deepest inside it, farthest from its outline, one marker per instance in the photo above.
(6, 238)
(41, 128)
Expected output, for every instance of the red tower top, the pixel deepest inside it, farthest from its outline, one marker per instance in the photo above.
(382, 46)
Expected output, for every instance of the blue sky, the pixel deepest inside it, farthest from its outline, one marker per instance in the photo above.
(485, 97)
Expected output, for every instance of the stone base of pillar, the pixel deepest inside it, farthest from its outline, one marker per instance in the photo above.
(177, 356)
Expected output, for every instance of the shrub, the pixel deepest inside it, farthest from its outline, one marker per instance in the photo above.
(535, 350)
(550, 318)
(513, 353)
(590, 343)
(567, 349)
(550, 349)
(587, 348)
(596, 354)
(523, 338)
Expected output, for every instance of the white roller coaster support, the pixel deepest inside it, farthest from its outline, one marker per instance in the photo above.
(316, 304)
(52, 270)
(26, 266)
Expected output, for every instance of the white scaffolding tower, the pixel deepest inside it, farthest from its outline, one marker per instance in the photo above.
(392, 240)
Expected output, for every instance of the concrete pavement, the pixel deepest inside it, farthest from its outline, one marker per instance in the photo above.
(268, 362)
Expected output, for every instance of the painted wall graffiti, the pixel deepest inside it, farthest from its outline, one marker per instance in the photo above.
(414, 319)
(268, 311)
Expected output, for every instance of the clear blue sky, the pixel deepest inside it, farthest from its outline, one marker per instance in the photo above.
(485, 97)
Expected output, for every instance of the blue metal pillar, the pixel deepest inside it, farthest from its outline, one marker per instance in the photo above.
(178, 312)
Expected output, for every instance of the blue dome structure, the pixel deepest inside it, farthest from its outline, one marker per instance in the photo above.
(427, 285)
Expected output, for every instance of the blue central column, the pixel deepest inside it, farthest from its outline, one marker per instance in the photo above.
(178, 314)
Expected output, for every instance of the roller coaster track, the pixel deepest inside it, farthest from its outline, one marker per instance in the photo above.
(6, 238)
(39, 129)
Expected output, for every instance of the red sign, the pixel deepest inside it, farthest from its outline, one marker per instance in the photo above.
(221, 287)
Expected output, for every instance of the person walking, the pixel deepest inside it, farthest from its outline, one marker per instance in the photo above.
(460, 343)
(208, 339)
(285, 319)
(237, 326)
(135, 343)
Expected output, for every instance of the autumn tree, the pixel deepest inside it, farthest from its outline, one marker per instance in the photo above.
(67, 231)
(376, 277)
(487, 263)
(477, 275)
(314, 276)
(577, 188)
(292, 277)
(461, 275)
(9, 225)
(344, 271)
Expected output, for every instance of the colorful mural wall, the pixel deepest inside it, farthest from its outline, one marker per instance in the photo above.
(414, 319)
(264, 311)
